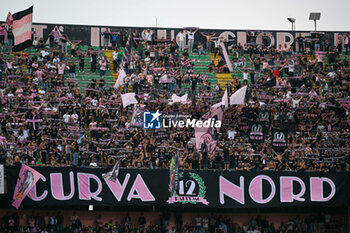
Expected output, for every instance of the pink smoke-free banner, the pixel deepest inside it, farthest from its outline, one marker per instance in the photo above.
(26, 180)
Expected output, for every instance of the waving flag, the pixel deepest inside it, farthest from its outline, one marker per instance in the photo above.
(137, 117)
(9, 19)
(227, 58)
(128, 98)
(113, 174)
(176, 99)
(206, 137)
(224, 101)
(22, 29)
(174, 174)
(26, 180)
(120, 80)
(238, 97)
(127, 52)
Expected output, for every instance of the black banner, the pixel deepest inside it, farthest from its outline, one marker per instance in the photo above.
(93, 35)
(71, 186)
(264, 116)
(257, 132)
(279, 140)
(161, 134)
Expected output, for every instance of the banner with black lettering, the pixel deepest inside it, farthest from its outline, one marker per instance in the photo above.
(72, 186)
(279, 140)
(257, 132)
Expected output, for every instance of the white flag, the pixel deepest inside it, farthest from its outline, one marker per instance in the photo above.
(224, 101)
(182, 99)
(238, 97)
(128, 98)
(112, 174)
(120, 80)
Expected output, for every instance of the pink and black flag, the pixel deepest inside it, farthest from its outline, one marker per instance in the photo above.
(207, 135)
(22, 29)
(26, 180)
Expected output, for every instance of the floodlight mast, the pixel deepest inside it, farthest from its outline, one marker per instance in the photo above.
(292, 20)
(315, 16)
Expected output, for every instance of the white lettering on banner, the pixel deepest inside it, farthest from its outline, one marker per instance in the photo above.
(33, 194)
(231, 190)
(259, 38)
(116, 188)
(57, 188)
(85, 189)
(161, 34)
(256, 189)
(241, 38)
(95, 36)
(316, 189)
(139, 190)
(39, 31)
(172, 35)
(286, 190)
(228, 36)
(261, 188)
(281, 39)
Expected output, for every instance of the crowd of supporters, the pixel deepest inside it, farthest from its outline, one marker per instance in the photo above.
(49, 119)
(209, 223)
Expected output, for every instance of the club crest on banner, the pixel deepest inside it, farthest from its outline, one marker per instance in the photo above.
(256, 133)
(191, 189)
(279, 140)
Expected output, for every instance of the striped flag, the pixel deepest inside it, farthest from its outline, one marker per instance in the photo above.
(22, 29)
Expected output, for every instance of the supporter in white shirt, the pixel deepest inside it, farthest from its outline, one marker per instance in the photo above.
(245, 75)
(148, 35)
(231, 134)
(66, 117)
(182, 37)
(35, 42)
(115, 55)
(44, 53)
(94, 102)
(93, 163)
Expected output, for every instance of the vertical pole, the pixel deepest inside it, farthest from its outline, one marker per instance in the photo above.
(348, 226)
(156, 22)
(315, 24)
